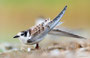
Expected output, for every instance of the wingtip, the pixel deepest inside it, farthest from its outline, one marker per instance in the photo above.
(84, 38)
(65, 7)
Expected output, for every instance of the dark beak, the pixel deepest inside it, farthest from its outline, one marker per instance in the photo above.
(16, 36)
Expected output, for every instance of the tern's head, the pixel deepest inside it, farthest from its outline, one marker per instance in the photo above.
(22, 35)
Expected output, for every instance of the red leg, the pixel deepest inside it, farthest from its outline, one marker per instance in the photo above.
(37, 46)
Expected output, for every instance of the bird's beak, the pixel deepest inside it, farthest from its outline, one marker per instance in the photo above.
(16, 36)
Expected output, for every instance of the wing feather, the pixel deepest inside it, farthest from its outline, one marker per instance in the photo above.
(64, 33)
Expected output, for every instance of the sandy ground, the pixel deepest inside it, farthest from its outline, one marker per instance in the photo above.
(72, 49)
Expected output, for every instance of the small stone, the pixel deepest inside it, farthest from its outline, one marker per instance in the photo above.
(55, 52)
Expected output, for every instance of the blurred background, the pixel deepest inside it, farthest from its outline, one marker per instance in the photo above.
(18, 15)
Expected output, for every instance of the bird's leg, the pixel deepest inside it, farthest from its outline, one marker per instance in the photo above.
(37, 46)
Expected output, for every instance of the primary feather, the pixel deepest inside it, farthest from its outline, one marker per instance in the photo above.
(59, 32)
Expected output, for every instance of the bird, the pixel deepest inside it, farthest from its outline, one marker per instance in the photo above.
(37, 33)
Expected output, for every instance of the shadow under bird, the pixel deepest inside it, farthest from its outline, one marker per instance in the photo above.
(37, 33)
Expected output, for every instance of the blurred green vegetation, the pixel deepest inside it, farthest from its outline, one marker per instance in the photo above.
(18, 15)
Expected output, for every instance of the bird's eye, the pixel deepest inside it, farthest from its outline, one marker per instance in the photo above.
(22, 34)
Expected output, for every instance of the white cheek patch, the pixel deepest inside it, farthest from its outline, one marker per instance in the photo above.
(23, 39)
(28, 34)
